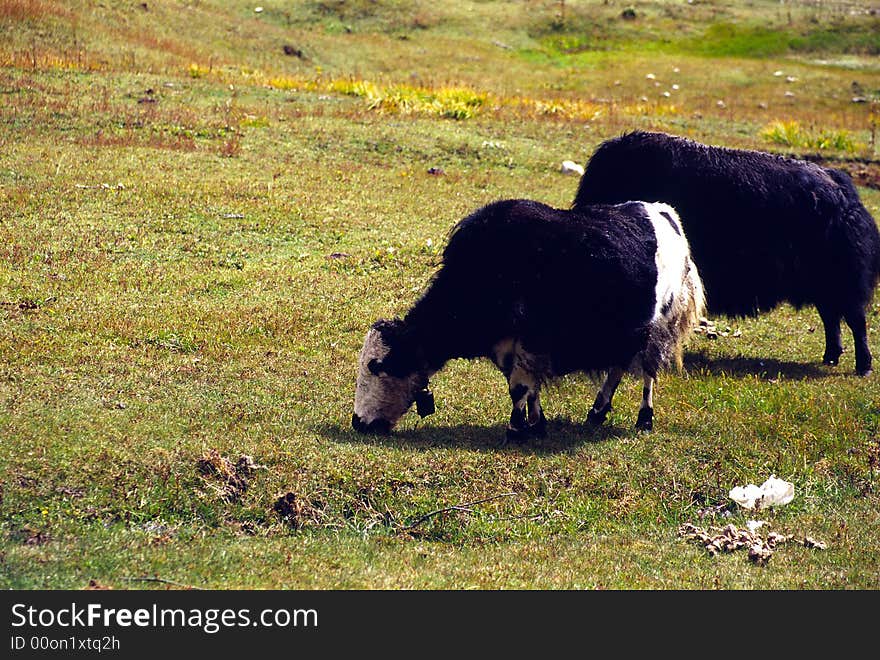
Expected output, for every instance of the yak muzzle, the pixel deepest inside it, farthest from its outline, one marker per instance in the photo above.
(425, 402)
(376, 427)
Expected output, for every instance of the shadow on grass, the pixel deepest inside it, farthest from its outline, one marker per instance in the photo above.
(739, 367)
(562, 435)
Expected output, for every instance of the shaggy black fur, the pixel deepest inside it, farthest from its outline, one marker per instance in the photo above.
(576, 287)
(542, 292)
(763, 229)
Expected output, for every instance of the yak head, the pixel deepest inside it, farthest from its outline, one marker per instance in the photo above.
(392, 374)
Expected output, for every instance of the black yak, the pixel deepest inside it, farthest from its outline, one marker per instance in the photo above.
(542, 292)
(764, 229)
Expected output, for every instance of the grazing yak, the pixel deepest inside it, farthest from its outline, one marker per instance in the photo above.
(541, 292)
(764, 229)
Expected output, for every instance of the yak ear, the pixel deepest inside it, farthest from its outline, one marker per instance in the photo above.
(389, 329)
(403, 357)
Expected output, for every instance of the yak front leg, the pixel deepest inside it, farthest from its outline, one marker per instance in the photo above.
(527, 417)
(602, 405)
(645, 421)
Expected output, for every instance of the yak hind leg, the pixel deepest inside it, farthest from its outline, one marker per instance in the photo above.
(602, 405)
(833, 345)
(859, 327)
(645, 421)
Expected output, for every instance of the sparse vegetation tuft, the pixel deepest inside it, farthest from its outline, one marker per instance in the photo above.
(792, 134)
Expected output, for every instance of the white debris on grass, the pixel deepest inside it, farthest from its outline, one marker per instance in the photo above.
(757, 538)
(708, 328)
(773, 492)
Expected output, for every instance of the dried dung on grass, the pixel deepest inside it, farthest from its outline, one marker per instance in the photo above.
(27, 535)
(298, 511)
(730, 538)
(94, 585)
(229, 480)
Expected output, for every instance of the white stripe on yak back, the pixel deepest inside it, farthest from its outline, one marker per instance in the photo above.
(672, 255)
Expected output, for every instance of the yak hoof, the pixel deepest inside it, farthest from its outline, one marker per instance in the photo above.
(645, 422)
(597, 417)
(832, 356)
(539, 428)
(864, 371)
(524, 433)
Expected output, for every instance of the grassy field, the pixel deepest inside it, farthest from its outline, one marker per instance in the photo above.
(203, 207)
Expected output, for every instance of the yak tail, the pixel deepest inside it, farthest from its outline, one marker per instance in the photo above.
(695, 309)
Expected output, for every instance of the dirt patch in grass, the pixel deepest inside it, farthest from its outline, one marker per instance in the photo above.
(865, 174)
(27, 535)
(94, 585)
(864, 171)
(25, 305)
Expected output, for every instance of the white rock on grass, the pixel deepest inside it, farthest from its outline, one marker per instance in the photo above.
(570, 167)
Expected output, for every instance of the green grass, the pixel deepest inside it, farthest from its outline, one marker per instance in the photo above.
(198, 229)
(792, 134)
